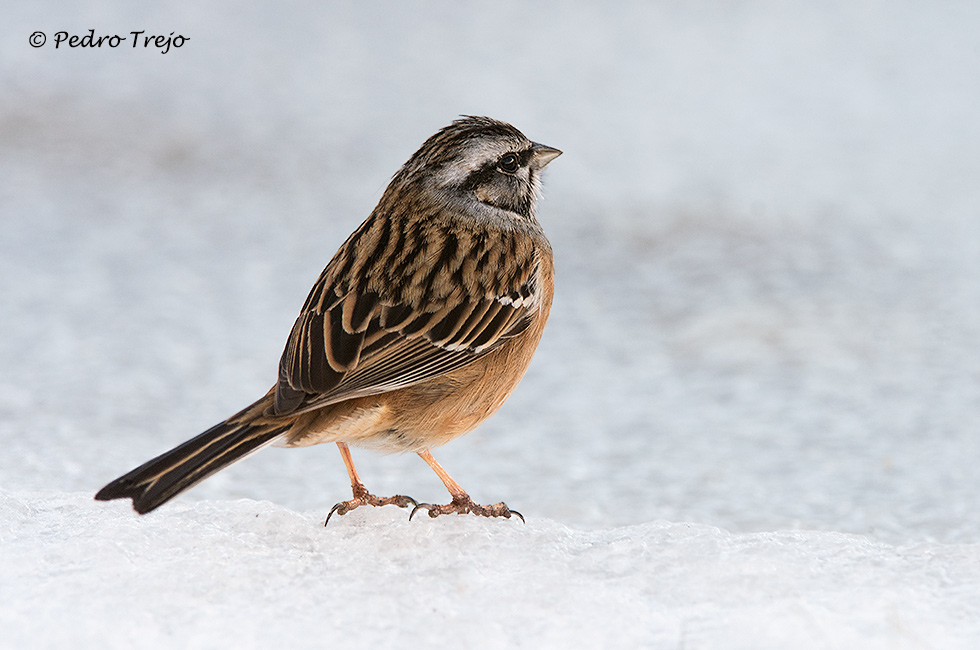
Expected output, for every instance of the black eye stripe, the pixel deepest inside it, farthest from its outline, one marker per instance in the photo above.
(479, 177)
(485, 173)
(522, 158)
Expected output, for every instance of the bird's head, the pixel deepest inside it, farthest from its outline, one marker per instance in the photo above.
(482, 164)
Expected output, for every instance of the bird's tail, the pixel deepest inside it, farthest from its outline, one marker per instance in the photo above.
(161, 479)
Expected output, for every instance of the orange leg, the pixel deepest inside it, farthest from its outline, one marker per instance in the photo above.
(355, 481)
(361, 495)
(461, 503)
(454, 488)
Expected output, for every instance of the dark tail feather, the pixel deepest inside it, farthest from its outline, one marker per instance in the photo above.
(161, 479)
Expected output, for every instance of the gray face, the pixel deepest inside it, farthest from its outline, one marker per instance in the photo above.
(487, 168)
(500, 173)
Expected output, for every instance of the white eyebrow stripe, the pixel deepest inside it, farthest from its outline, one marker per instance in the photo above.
(456, 174)
(475, 155)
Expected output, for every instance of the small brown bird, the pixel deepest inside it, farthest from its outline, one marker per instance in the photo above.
(418, 329)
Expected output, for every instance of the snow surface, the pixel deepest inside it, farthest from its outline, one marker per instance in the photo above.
(753, 420)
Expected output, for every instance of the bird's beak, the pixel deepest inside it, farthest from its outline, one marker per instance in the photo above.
(543, 154)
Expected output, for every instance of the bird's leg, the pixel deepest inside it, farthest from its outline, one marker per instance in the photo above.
(361, 496)
(461, 503)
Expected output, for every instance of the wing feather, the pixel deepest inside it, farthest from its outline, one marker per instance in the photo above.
(380, 319)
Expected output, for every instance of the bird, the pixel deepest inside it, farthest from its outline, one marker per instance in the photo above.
(418, 329)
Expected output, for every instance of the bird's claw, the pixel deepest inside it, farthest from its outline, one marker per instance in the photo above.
(462, 506)
(368, 499)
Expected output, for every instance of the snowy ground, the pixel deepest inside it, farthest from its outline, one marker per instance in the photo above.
(753, 421)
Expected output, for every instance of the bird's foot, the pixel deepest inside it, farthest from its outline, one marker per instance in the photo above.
(364, 498)
(464, 505)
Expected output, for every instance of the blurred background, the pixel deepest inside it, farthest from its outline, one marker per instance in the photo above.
(766, 222)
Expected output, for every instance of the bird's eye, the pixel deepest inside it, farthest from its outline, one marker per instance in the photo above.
(509, 163)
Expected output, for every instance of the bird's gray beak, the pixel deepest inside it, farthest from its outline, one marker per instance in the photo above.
(543, 154)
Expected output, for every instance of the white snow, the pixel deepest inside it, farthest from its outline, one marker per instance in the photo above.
(752, 423)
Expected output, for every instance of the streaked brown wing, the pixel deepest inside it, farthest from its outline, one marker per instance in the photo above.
(383, 318)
